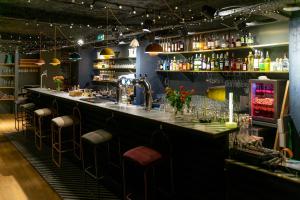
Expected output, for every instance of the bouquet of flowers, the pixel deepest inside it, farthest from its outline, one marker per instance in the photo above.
(179, 98)
(58, 80)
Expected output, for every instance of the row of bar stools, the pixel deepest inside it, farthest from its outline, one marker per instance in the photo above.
(42, 120)
(60, 139)
(148, 158)
(27, 117)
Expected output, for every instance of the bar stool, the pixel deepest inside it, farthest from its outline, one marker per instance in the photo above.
(27, 116)
(17, 112)
(42, 121)
(147, 158)
(95, 139)
(59, 144)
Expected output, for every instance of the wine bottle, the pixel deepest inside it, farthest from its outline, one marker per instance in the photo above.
(261, 63)
(222, 61)
(267, 62)
(256, 61)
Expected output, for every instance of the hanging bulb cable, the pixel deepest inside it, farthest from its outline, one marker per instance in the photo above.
(107, 52)
(40, 61)
(55, 61)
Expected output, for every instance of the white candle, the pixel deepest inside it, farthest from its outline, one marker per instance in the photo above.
(230, 107)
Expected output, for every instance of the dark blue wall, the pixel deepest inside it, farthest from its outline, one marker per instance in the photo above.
(85, 69)
(294, 51)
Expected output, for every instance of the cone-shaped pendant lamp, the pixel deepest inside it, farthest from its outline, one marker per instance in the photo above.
(41, 61)
(55, 61)
(74, 57)
(107, 52)
(153, 49)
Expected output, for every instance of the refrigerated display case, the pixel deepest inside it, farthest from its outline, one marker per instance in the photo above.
(266, 98)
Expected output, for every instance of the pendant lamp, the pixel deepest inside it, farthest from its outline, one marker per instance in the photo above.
(107, 52)
(41, 61)
(55, 61)
(153, 49)
(74, 57)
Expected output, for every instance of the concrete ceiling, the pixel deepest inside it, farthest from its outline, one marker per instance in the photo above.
(23, 20)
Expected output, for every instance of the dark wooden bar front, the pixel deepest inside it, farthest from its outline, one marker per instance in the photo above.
(198, 151)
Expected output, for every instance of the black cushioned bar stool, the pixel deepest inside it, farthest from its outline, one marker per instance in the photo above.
(27, 116)
(95, 139)
(42, 121)
(147, 158)
(19, 115)
(61, 140)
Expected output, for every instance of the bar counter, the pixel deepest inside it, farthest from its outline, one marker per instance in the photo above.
(198, 150)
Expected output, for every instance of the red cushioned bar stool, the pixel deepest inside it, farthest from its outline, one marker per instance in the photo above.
(146, 158)
(62, 141)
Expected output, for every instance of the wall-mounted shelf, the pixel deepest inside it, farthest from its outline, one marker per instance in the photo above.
(8, 65)
(116, 69)
(10, 99)
(29, 66)
(6, 87)
(7, 75)
(229, 49)
(232, 72)
(120, 58)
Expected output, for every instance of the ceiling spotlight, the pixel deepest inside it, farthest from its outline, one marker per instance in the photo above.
(28, 1)
(88, 25)
(121, 34)
(91, 6)
(82, 2)
(176, 7)
(147, 15)
(120, 6)
(133, 11)
(37, 24)
(80, 42)
(51, 25)
(190, 10)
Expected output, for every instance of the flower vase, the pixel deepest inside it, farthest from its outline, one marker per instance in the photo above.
(178, 113)
(58, 87)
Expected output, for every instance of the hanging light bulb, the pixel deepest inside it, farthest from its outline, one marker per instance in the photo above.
(41, 61)
(74, 57)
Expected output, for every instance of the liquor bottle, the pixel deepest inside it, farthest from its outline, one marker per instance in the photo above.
(204, 62)
(285, 63)
(212, 42)
(205, 47)
(201, 43)
(212, 62)
(191, 64)
(226, 62)
(175, 46)
(243, 40)
(209, 42)
(184, 62)
(200, 62)
(221, 62)
(227, 42)
(238, 42)
(181, 46)
(217, 63)
(250, 63)
(245, 67)
(261, 63)
(267, 62)
(196, 62)
(208, 65)
(194, 44)
(238, 64)
(232, 63)
(223, 42)
(171, 65)
(169, 46)
(232, 42)
(256, 61)
(217, 42)
(250, 39)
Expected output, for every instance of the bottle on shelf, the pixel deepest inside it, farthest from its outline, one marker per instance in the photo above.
(238, 64)
(217, 63)
(212, 62)
(232, 42)
(208, 65)
(221, 62)
(261, 62)
(205, 44)
(212, 42)
(285, 63)
(238, 42)
(250, 63)
(223, 42)
(232, 63)
(201, 43)
(204, 62)
(245, 63)
(267, 62)
(217, 42)
(196, 61)
(226, 62)
(256, 61)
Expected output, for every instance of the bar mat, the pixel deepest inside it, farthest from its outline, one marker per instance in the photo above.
(68, 181)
